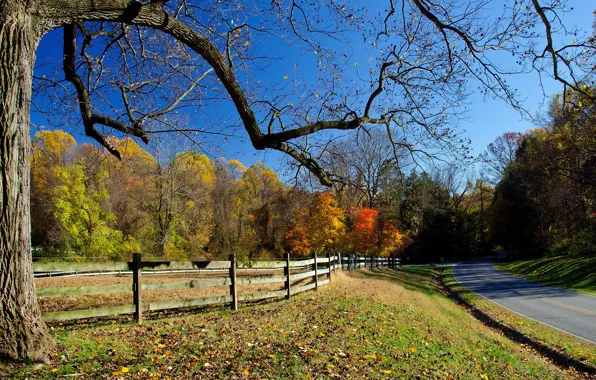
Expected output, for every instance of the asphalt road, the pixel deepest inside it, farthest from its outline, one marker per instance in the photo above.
(565, 310)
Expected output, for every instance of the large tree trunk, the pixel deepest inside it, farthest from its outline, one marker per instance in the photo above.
(23, 335)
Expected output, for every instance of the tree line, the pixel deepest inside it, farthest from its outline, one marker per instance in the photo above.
(178, 205)
(545, 195)
(535, 193)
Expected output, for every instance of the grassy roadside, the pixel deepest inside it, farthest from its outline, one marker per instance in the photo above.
(379, 324)
(575, 273)
(570, 345)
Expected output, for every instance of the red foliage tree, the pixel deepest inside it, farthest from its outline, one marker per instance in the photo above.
(365, 235)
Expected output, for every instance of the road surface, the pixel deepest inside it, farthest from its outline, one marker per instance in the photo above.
(565, 310)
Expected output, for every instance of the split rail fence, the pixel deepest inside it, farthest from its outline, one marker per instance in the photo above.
(293, 270)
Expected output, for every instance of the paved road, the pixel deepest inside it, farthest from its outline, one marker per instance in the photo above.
(565, 310)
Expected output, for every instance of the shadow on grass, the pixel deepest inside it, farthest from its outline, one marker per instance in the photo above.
(553, 353)
(578, 273)
(418, 279)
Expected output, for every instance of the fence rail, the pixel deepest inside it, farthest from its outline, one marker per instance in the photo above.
(309, 267)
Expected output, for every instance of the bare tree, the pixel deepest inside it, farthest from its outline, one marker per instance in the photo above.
(499, 154)
(456, 179)
(423, 54)
(362, 165)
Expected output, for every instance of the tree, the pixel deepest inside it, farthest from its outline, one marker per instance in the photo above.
(178, 202)
(391, 240)
(297, 238)
(319, 230)
(499, 154)
(129, 185)
(86, 226)
(325, 225)
(545, 201)
(224, 190)
(258, 192)
(365, 235)
(188, 189)
(366, 163)
(429, 86)
(50, 150)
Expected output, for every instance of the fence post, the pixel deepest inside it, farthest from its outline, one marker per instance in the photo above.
(341, 263)
(329, 266)
(316, 273)
(287, 274)
(233, 290)
(136, 287)
(334, 263)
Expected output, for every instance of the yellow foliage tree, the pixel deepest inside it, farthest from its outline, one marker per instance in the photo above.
(50, 150)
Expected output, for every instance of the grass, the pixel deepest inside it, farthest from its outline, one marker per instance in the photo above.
(570, 345)
(379, 324)
(571, 272)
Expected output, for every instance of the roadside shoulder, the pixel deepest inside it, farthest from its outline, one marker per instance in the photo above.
(551, 342)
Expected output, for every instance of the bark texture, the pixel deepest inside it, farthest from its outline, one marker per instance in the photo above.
(23, 335)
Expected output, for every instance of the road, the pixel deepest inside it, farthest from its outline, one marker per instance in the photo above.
(565, 310)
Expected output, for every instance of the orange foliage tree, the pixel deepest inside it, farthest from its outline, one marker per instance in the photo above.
(297, 238)
(320, 230)
(365, 235)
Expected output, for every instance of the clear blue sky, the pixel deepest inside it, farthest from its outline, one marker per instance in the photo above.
(487, 118)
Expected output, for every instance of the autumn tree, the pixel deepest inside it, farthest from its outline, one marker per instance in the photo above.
(130, 185)
(297, 238)
(188, 190)
(390, 239)
(87, 229)
(365, 234)
(50, 151)
(325, 224)
(545, 201)
(179, 202)
(224, 199)
(319, 229)
(257, 215)
(424, 53)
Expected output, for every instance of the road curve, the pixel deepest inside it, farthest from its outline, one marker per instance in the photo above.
(565, 310)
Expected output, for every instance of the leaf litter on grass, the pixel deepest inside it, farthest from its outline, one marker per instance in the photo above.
(364, 325)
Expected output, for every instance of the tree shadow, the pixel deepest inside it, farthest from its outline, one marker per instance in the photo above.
(418, 279)
(480, 277)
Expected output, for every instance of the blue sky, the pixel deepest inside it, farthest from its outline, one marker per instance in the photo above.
(486, 120)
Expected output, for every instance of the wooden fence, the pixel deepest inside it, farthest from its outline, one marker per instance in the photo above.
(293, 270)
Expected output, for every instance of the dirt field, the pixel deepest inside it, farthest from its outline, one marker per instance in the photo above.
(49, 304)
